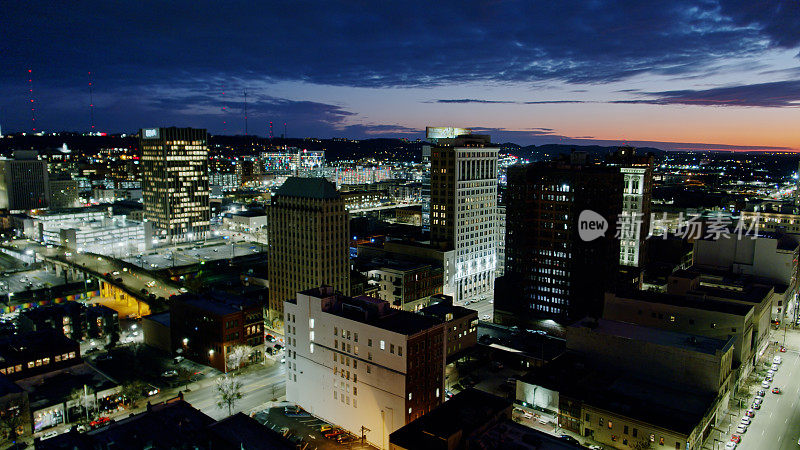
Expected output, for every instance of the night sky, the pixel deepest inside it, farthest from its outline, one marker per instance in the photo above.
(674, 74)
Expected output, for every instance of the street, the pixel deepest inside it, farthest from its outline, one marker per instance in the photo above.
(258, 387)
(484, 308)
(777, 424)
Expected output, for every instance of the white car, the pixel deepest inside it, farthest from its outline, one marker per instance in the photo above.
(486, 317)
(730, 445)
(745, 420)
(49, 434)
(774, 367)
(741, 429)
(776, 360)
(770, 372)
(527, 415)
(758, 400)
(765, 384)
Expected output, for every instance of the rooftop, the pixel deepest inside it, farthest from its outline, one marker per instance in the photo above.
(665, 338)
(468, 411)
(317, 188)
(706, 304)
(216, 302)
(672, 407)
(372, 311)
(164, 425)
(244, 432)
(473, 419)
(162, 318)
(20, 347)
(442, 309)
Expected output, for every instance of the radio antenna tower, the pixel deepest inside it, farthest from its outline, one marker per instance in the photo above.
(91, 103)
(245, 112)
(224, 111)
(33, 103)
(284, 130)
(270, 131)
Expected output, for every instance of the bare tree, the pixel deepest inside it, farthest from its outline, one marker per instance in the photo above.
(229, 391)
(12, 420)
(238, 356)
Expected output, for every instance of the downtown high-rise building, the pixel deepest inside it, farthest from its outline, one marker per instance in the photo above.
(24, 183)
(175, 186)
(551, 272)
(634, 224)
(464, 209)
(309, 236)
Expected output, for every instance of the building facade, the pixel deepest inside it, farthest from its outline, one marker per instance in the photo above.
(551, 273)
(175, 187)
(464, 209)
(207, 327)
(308, 241)
(360, 364)
(24, 183)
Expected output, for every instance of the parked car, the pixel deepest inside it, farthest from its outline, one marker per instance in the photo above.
(99, 422)
(758, 400)
(570, 439)
(776, 390)
(170, 373)
(742, 428)
(730, 445)
(783, 349)
(756, 405)
(750, 413)
(776, 360)
(746, 420)
(765, 384)
(50, 434)
(774, 367)
(333, 433)
(736, 438)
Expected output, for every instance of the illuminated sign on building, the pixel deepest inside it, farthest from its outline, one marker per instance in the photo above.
(150, 133)
(445, 132)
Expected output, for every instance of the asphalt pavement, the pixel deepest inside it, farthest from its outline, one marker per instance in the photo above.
(258, 388)
(777, 424)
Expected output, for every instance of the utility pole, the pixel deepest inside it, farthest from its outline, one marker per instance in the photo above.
(364, 431)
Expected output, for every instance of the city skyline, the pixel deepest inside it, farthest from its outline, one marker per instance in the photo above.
(715, 75)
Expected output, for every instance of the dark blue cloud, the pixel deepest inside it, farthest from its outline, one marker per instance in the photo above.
(779, 94)
(137, 50)
(508, 102)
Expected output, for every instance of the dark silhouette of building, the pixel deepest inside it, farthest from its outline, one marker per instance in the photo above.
(24, 182)
(551, 272)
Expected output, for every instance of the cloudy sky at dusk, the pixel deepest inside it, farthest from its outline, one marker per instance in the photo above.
(677, 74)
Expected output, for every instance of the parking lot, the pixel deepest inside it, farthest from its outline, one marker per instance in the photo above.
(306, 429)
(28, 279)
(184, 255)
